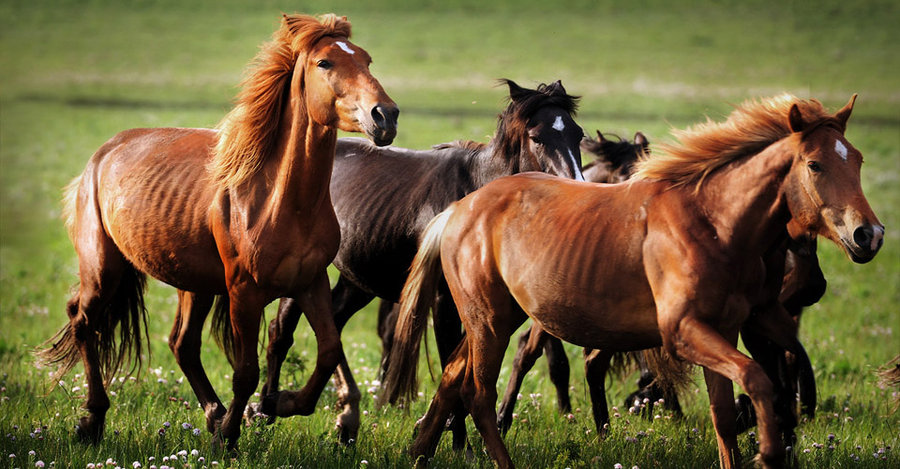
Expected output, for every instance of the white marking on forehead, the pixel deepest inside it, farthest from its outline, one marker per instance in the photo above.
(344, 47)
(575, 166)
(558, 124)
(840, 149)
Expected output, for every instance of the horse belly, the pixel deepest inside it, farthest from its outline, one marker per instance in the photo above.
(155, 207)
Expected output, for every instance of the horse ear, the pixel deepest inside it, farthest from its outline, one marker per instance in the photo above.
(600, 137)
(640, 139)
(795, 119)
(844, 114)
(515, 91)
(559, 87)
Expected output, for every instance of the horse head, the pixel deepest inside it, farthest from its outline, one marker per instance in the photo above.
(334, 73)
(824, 193)
(539, 128)
(613, 158)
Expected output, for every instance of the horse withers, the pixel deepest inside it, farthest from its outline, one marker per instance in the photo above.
(241, 212)
(673, 258)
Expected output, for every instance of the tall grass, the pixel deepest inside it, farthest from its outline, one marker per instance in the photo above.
(75, 73)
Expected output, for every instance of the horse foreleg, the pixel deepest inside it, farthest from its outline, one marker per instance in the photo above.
(246, 309)
(772, 358)
(596, 365)
(281, 338)
(699, 343)
(530, 348)
(184, 341)
(316, 303)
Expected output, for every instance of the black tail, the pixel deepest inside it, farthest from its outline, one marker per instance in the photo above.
(220, 328)
(124, 312)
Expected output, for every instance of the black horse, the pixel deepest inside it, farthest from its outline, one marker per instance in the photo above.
(384, 197)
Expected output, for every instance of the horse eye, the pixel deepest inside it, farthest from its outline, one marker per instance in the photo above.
(324, 64)
(814, 166)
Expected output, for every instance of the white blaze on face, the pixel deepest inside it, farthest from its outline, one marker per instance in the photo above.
(840, 149)
(344, 47)
(576, 167)
(558, 124)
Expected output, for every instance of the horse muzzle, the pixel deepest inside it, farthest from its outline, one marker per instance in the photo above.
(384, 124)
(867, 240)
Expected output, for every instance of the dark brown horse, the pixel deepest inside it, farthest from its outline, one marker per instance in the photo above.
(384, 197)
(680, 248)
(242, 211)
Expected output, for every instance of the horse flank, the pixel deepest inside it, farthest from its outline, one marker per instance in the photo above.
(708, 146)
(248, 133)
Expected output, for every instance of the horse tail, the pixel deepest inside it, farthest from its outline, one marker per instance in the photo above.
(401, 380)
(70, 200)
(221, 329)
(671, 374)
(118, 330)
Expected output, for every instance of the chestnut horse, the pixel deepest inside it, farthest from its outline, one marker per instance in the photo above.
(673, 257)
(384, 197)
(242, 211)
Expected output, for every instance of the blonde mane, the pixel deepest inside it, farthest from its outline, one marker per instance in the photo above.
(248, 134)
(706, 147)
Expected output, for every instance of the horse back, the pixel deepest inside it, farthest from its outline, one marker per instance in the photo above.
(383, 198)
(569, 252)
(148, 192)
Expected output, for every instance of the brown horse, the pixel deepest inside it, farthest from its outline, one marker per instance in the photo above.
(242, 211)
(679, 248)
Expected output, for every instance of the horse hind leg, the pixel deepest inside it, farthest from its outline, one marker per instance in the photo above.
(110, 295)
(184, 341)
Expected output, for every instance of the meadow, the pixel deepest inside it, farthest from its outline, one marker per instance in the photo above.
(73, 73)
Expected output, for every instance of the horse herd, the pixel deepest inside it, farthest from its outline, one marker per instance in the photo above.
(680, 251)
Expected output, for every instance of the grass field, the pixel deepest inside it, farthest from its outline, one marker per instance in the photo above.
(73, 73)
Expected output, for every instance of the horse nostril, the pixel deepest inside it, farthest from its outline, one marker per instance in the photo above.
(863, 236)
(385, 117)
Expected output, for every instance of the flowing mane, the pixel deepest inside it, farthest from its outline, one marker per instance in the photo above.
(247, 134)
(512, 131)
(706, 147)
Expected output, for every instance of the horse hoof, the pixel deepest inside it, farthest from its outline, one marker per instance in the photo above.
(90, 430)
(348, 428)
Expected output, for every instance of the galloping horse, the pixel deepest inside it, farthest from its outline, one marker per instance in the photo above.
(384, 197)
(803, 285)
(241, 211)
(673, 258)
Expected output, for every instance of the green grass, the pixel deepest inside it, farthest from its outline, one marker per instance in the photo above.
(74, 73)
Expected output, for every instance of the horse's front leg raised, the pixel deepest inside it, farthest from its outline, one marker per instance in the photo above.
(697, 342)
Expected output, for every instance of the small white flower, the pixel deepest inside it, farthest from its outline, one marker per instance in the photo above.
(39, 464)
(195, 452)
(135, 465)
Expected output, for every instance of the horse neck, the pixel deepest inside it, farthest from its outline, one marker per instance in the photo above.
(491, 163)
(296, 178)
(745, 201)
